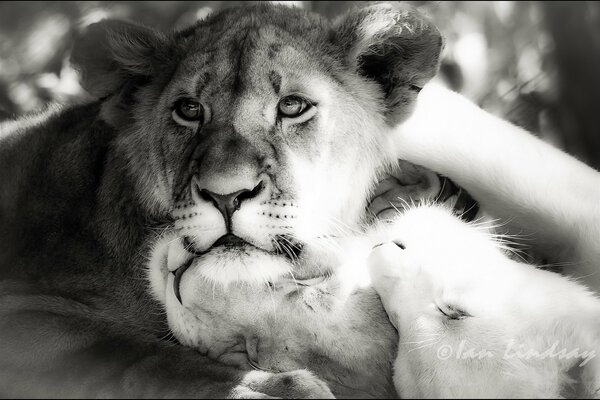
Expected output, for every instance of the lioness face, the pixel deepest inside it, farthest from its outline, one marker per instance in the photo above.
(280, 156)
(260, 130)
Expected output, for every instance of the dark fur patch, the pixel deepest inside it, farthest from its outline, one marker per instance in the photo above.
(240, 53)
(206, 77)
(275, 79)
(274, 49)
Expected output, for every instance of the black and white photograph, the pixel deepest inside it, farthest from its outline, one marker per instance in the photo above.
(299, 199)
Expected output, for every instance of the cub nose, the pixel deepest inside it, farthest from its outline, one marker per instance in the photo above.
(227, 204)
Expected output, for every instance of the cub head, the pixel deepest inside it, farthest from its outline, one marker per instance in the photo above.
(259, 129)
(473, 322)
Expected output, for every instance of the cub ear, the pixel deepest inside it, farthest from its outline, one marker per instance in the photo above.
(110, 53)
(394, 45)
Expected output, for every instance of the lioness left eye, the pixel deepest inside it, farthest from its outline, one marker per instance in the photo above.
(292, 106)
(188, 112)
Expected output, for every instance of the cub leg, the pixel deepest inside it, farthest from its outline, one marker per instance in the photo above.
(540, 191)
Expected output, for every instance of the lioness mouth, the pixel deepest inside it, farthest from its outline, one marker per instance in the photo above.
(285, 247)
(230, 240)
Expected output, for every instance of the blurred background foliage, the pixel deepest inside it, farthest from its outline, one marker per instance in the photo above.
(534, 63)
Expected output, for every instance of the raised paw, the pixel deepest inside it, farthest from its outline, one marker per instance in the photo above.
(406, 185)
(409, 185)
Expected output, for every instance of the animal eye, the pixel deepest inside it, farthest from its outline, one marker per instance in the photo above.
(188, 111)
(292, 106)
(452, 312)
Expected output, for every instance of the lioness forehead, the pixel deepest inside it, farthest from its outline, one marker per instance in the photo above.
(229, 24)
(229, 49)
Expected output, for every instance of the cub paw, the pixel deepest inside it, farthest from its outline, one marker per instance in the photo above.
(386, 270)
(406, 185)
(299, 384)
(384, 263)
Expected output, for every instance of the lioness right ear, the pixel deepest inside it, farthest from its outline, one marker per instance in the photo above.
(111, 52)
(393, 45)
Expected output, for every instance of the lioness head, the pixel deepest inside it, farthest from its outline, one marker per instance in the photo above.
(259, 129)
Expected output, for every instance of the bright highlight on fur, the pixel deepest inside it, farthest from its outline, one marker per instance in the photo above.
(474, 323)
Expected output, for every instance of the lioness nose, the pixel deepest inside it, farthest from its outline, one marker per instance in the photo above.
(230, 203)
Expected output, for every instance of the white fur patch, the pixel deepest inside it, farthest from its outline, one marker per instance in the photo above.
(501, 311)
(252, 267)
(157, 267)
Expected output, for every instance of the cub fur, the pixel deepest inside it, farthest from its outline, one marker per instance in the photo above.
(474, 323)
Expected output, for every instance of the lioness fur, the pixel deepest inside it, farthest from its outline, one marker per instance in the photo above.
(87, 190)
(88, 193)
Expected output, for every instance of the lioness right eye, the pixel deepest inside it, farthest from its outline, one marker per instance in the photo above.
(292, 106)
(188, 112)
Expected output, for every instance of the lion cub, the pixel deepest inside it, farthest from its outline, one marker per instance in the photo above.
(473, 322)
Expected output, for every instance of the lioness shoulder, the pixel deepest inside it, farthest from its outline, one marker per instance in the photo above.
(240, 136)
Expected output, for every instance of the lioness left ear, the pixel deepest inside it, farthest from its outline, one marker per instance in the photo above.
(115, 57)
(394, 45)
(111, 52)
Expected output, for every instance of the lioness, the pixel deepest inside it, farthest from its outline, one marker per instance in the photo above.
(195, 134)
(249, 136)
